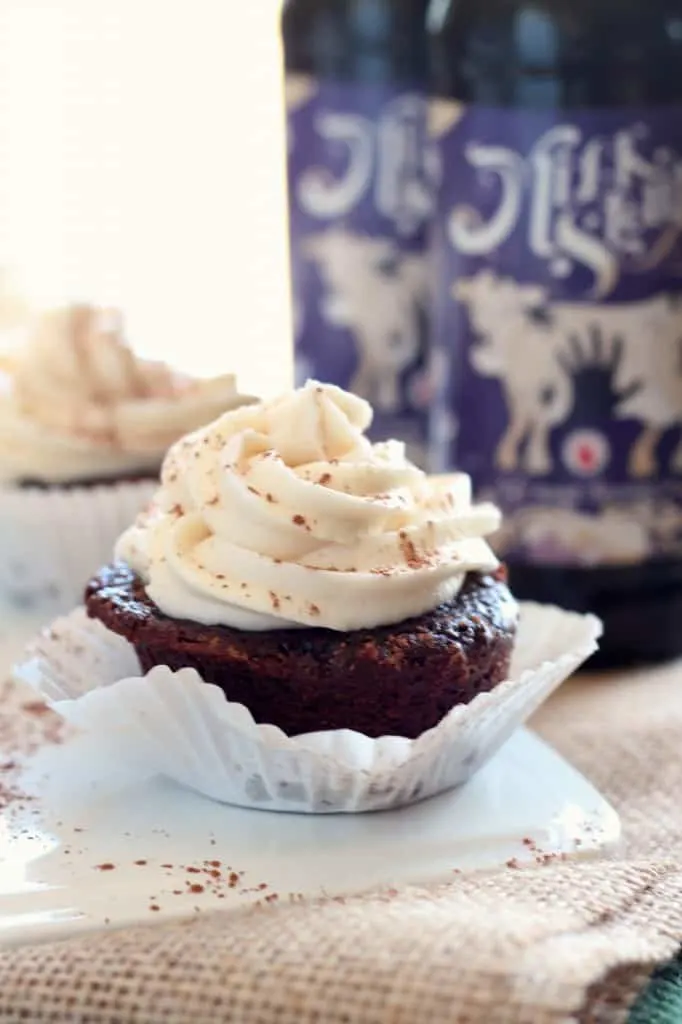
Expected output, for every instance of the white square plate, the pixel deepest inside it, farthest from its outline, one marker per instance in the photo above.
(160, 852)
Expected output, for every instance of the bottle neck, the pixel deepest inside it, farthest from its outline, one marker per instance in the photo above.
(556, 53)
(363, 41)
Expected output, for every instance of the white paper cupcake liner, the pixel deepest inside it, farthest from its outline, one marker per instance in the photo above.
(52, 541)
(173, 724)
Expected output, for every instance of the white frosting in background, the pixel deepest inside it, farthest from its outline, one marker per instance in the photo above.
(77, 403)
(284, 514)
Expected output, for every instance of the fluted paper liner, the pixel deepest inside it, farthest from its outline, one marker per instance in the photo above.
(174, 724)
(52, 541)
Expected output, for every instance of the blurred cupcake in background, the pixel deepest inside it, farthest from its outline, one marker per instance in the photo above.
(84, 427)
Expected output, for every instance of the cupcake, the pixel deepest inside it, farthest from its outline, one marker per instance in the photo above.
(84, 426)
(322, 581)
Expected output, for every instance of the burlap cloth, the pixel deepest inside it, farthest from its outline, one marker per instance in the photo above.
(564, 942)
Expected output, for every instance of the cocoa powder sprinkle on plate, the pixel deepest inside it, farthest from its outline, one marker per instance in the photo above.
(36, 707)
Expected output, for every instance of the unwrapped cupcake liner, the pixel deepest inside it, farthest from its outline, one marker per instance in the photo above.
(53, 540)
(172, 724)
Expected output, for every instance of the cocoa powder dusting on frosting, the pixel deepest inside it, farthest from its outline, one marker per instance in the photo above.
(409, 552)
(350, 528)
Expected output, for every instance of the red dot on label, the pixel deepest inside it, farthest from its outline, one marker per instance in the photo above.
(586, 456)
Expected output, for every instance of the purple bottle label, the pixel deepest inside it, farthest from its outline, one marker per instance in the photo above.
(559, 326)
(360, 201)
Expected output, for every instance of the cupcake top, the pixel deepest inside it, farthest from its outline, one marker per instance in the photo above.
(77, 404)
(284, 514)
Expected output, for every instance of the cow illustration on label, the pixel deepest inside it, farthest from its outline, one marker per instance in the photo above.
(380, 294)
(360, 201)
(638, 344)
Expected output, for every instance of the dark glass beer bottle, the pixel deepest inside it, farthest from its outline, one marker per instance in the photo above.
(558, 263)
(360, 202)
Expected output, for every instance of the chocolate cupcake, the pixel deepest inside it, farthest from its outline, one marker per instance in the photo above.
(320, 580)
(84, 427)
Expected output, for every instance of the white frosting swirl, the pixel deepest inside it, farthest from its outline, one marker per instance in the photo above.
(284, 514)
(77, 403)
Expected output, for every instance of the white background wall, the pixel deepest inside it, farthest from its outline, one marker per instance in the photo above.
(141, 162)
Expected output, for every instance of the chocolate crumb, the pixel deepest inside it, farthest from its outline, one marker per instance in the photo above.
(105, 867)
(154, 906)
(299, 520)
(196, 888)
(324, 479)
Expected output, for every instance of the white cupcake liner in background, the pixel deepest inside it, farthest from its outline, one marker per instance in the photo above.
(173, 724)
(53, 541)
